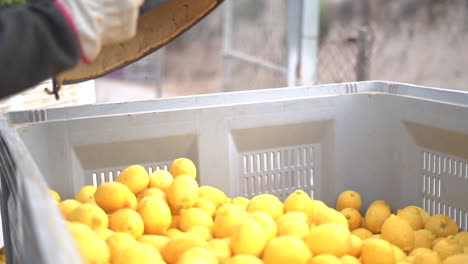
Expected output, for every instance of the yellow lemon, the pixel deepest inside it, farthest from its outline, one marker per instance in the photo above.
(179, 244)
(381, 202)
(266, 203)
(325, 259)
(127, 221)
(160, 179)
(227, 200)
(347, 259)
(90, 215)
(226, 221)
(183, 166)
(67, 206)
(462, 237)
(377, 251)
(158, 242)
(376, 215)
(428, 258)
(291, 216)
(244, 242)
(398, 231)
(91, 248)
(227, 240)
(362, 233)
(103, 233)
(348, 199)
(183, 192)
(213, 194)
(299, 201)
(194, 217)
(441, 225)
(55, 195)
(295, 228)
(220, 248)
(227, 207)
(266, 221)
(153, 192)
(173, 232)
(448, 247)
(242, 202)
(138, 253)
(318, 206)
(419, 251)
(355, 246)
(203, 231)
(425, 216)
(200, 254)
(111, 196)
(155, 214)
(353, 217)
(118, 242)
(91, 201)
(456, 259)
(400, 256)
(331, 239)
(243, 259)
(206, 205)
(331, 216)
(85, 193)
(437, 240)
(286, 250)
(423, 238)
(135, 177)
(413, 216)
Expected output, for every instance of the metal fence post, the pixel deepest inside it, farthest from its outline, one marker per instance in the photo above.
(227, 43)
(294, 17)
(362, 62)
(363, 45)
(309, 41)
(159, 71)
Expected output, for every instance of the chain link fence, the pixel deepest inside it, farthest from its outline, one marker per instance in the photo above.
(415, 41)
(254, 44)
(337, 56)
(245, 44)
(255, 41)
(422, 42)
(345, 41)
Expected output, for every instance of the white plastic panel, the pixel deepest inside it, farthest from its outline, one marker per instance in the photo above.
(279, 171)
(102, 175)
(440, 173)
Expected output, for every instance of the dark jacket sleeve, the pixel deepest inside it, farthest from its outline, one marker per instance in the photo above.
(36, 43)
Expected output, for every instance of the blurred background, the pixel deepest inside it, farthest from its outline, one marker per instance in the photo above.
(256, 44)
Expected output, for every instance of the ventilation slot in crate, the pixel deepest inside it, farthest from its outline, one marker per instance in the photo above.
(279, 171)
(110, 174)
(439, 169)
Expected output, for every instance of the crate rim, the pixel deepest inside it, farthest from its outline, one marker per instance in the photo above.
(443, 95)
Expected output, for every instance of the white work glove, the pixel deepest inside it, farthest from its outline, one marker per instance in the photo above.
(100, 22)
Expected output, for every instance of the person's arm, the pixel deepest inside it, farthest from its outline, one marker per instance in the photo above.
(36, 43)
(43, 38)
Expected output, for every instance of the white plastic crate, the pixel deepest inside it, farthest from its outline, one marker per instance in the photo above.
(401, 143)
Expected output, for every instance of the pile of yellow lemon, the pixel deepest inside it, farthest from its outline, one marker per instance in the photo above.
(166, 217)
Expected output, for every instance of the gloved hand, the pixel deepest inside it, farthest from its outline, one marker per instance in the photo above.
(100, 22)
